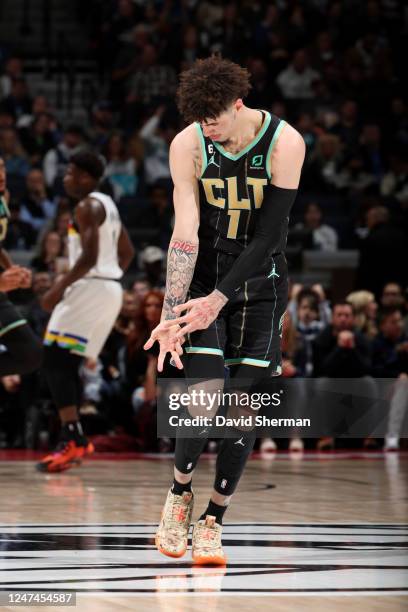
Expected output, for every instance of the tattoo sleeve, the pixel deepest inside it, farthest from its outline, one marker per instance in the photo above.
(181, 260)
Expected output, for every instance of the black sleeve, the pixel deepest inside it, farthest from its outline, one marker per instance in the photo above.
(267, 238)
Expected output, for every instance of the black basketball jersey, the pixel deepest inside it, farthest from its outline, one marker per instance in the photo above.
(232, 189)
(4, 219)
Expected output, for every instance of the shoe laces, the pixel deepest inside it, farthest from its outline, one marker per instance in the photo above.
(178, 515)
(208, 536)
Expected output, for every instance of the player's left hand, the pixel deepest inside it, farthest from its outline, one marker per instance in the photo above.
(165, 335)
(201, 312)
(51, 298)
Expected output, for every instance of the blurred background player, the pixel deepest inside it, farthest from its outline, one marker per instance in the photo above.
(21, 351)
(86, 301)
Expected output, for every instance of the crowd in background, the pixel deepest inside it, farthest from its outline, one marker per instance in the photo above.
(335, 70)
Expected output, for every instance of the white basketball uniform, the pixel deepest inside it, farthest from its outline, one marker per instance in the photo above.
(84, 318)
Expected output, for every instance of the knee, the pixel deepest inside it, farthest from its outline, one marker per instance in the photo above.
(28, 350)
(33, 356)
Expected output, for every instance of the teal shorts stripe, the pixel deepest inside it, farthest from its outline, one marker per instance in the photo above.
(11, 326)
(260, 363)
(204, 350)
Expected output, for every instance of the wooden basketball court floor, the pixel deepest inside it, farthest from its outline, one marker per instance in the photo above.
(316, 532)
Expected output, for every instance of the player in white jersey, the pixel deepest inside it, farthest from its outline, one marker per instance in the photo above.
(85, 301)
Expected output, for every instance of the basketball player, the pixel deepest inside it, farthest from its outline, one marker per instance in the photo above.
(87, 301)
(236, 171)
(21, 351)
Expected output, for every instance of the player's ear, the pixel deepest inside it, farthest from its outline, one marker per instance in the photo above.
(239, 104)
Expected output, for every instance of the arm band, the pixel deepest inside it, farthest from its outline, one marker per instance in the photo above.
(267, 238)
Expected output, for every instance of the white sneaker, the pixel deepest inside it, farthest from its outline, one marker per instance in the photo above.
(268, 446)
(206, 544)
(172, 534)
(391, 443)
(296, 445)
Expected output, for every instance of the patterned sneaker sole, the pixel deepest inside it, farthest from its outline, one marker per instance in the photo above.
(168, 553)
(209, 560)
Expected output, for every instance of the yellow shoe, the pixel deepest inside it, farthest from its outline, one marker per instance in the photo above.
(207, 546)
(172, 535)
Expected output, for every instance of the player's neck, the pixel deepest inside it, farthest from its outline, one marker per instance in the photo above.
(248, 123)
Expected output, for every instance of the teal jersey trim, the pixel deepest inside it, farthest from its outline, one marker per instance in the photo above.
(250, 145)
(203, 151)
(204, 350)
(278, 130)
(4, 206)
(11, 326)
(260, 363)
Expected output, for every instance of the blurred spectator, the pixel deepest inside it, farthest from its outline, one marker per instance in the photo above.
(12, 70)
(36, 207)
(323, 51)
(383, 254)
(6, 119)
(395, 182)
(390, 360)
(392, 296)
(20, 234)
(324, 165)
(324, 237)
(191, 48)
(325, 313)
(157, 134)
(121, 167)
(153, 82)
(371, 151)
(139, 362)
(296, 80)
(365, 312)
(261, 93)
(160, 213)
(151, 263)
(340, 351)
(18, 102)
(353, 177)
(140, 287)
(307, 329)
(62, 221)
(40, 106)
(12, 153)
(118, 337)
(38, 137)
(56, 160)
(347, 128)
(102, 123)
(390, 348)
(50, 253)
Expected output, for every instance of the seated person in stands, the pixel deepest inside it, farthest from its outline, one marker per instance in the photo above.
(321, 236)
(390, 360)
(51, 255)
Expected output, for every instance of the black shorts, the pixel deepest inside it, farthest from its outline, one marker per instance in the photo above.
(248, 330)
(10, 317)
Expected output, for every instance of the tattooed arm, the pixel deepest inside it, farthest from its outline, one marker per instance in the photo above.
(181, 261)
(183, 248)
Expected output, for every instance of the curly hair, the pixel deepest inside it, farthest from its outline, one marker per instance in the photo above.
(209, 87)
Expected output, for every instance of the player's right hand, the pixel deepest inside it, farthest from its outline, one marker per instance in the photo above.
(11, 278)
(168, 342)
